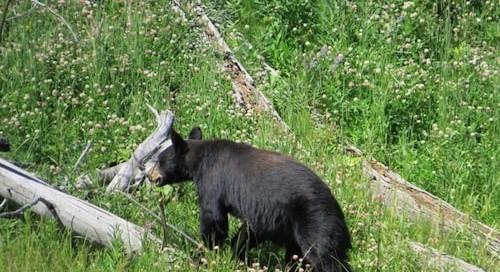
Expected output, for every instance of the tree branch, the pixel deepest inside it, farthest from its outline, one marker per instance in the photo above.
(135, 167)
(75, 38)
(160, 220)
(4, 17)
(18, 211)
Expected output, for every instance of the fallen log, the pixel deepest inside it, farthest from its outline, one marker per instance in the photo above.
(107, 174)
(245, 94)
(90, 221)
(394, 191)
(440, 261)
(131, 173)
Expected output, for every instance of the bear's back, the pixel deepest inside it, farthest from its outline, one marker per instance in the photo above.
(255, 180)
(253, 166)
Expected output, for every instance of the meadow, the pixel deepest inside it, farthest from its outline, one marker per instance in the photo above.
(414, 85)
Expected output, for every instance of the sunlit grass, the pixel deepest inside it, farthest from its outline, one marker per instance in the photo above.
(413, 84)
(410, 85)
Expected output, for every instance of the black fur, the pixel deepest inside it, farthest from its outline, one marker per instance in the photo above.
(277, 198)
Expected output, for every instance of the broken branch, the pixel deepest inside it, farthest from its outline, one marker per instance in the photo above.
(132, 171)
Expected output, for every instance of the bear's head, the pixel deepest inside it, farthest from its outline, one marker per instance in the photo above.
(171, 165)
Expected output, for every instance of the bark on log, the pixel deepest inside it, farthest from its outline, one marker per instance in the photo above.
(108, 174)
(442, 262)
(417, 203)
(88, 220)
(245, 94)
(131, 173)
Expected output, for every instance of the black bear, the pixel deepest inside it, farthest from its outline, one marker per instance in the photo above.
(277, 198)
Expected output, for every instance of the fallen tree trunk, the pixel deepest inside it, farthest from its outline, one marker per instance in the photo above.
(440, 261)
(406, 198)
(90, 221)
(131, 173)
(109, 173)
(245, 94)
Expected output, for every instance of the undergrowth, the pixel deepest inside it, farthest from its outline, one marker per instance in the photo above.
(412, 84)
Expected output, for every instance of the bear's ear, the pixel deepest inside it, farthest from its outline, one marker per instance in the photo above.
(180, 146)
(195, 133)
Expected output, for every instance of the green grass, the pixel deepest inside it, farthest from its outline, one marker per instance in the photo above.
(413, 85)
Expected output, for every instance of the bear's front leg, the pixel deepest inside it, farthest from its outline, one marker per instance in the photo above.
(243, 241)
(214, 224)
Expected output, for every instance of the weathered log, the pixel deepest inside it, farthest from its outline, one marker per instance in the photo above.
(107, 174)
(394, 191)
(131, 173)
(245, 94)
(90, 221)
(435, 259)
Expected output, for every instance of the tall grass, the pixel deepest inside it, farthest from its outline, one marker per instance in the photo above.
(413, 84)
(384, 89)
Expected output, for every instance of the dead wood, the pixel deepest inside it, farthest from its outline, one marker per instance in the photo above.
(19, 211)
(4, 17)
(90, 221)
(394, 191)
(61, 18)
(107, 174)
(161, 219)
(4, 203)
(245, 94)
(131, 173)
(440, 261)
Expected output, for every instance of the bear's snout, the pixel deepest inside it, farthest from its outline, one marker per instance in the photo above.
(155, 175)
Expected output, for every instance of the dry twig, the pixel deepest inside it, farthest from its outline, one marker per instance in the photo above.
(4, 203)
(160, 220)
(20, 210)
(84, 153)
(59, 16)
